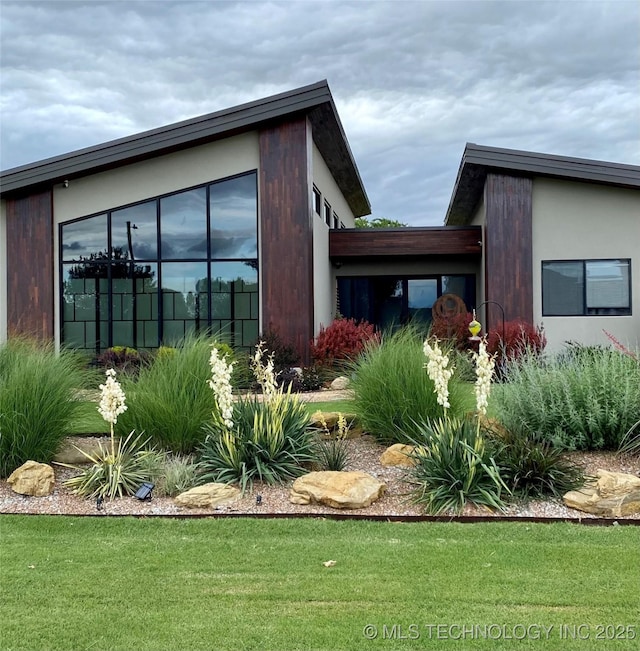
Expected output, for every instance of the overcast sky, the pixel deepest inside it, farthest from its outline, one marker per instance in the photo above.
(413, 81)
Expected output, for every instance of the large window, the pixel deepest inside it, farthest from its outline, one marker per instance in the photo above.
(153, 272)
(586, 287)
(390, 301)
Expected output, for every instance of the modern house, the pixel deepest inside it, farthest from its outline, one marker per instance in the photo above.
(243, 220)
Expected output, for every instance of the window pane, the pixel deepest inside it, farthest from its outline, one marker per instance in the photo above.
(134, 301)
(84, 306)
(182, 286)
(608, 284)
(134, 233)
(234, 222)
(234, 295)
(85, 239)
(562, 288)
(183, 224)
(422, 294)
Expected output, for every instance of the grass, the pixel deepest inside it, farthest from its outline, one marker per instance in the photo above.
(121, 583)
(343, 406)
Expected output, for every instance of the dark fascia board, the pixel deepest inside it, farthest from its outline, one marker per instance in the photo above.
(478, 161)
(312, 100)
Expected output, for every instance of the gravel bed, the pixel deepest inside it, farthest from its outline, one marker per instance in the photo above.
(365, 453)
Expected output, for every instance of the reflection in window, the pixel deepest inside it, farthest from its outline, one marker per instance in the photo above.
(136, 295)
(586, 287)
(184, 225)
(85, 239)
(234, 226)
(134, 232)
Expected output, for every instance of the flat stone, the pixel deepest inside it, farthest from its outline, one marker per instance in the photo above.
(32, 478)
(329, 419)
(208, 496)
(398, 454)
(339, 490)
(614, 494)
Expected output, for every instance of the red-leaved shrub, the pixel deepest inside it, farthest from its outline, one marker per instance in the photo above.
(343, 339)
(517, 338)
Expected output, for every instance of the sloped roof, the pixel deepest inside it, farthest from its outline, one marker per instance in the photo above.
(478, 161)
(314, 100)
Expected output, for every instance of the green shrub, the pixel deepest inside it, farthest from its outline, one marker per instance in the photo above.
(533, 468)
(37, 400)
(172, 474)
(454, 466)
(270, 440)
(392, 391)
(171, 400)
(584, 399)
(332, 449)
(117, 469)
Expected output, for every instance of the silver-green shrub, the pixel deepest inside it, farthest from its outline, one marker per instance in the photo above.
(584, 398)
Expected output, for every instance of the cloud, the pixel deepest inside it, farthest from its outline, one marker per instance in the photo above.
(413, 81)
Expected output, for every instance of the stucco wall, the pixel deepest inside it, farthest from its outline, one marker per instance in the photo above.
(323, 278)
(3, 272)
(147, 179)
(579, 221)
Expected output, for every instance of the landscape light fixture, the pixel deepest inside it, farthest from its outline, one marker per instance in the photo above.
(258, 500)
(144, 492)
(99, 502)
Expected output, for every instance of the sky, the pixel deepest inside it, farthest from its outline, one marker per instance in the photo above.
(412, 81)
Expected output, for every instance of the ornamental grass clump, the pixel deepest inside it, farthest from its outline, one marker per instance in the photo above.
(119, 468)
(392, 392)
(38, 400)
(263, 438)
(171, 399)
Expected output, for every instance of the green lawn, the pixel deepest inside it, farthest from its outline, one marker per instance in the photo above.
(123, 583)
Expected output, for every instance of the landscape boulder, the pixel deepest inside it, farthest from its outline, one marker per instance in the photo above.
(208, 496)
(32, 478)
(340, 383)
(339, 490)
(398, 454)
(614, 494)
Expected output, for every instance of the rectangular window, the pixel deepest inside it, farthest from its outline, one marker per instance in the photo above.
(586, 287)
(327, 214)
(317, 200)
(336, 221)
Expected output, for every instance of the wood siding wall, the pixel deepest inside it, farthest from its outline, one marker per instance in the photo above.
(30, 284)
(508, 249)
(287, 233)
(373, 242)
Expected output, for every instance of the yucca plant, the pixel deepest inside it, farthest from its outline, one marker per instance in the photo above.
(332, 450)
(269, 441)
(454, 466)
(116, 470)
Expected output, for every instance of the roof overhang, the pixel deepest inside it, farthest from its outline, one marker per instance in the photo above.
(359, 244)
(478, 161)
(314, 101)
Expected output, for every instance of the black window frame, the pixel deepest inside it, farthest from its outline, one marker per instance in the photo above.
(588, 311)
(209, 260)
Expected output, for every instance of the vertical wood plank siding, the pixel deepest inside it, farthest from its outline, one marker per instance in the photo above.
(508, 248)
(287, 233)
(30, 290)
